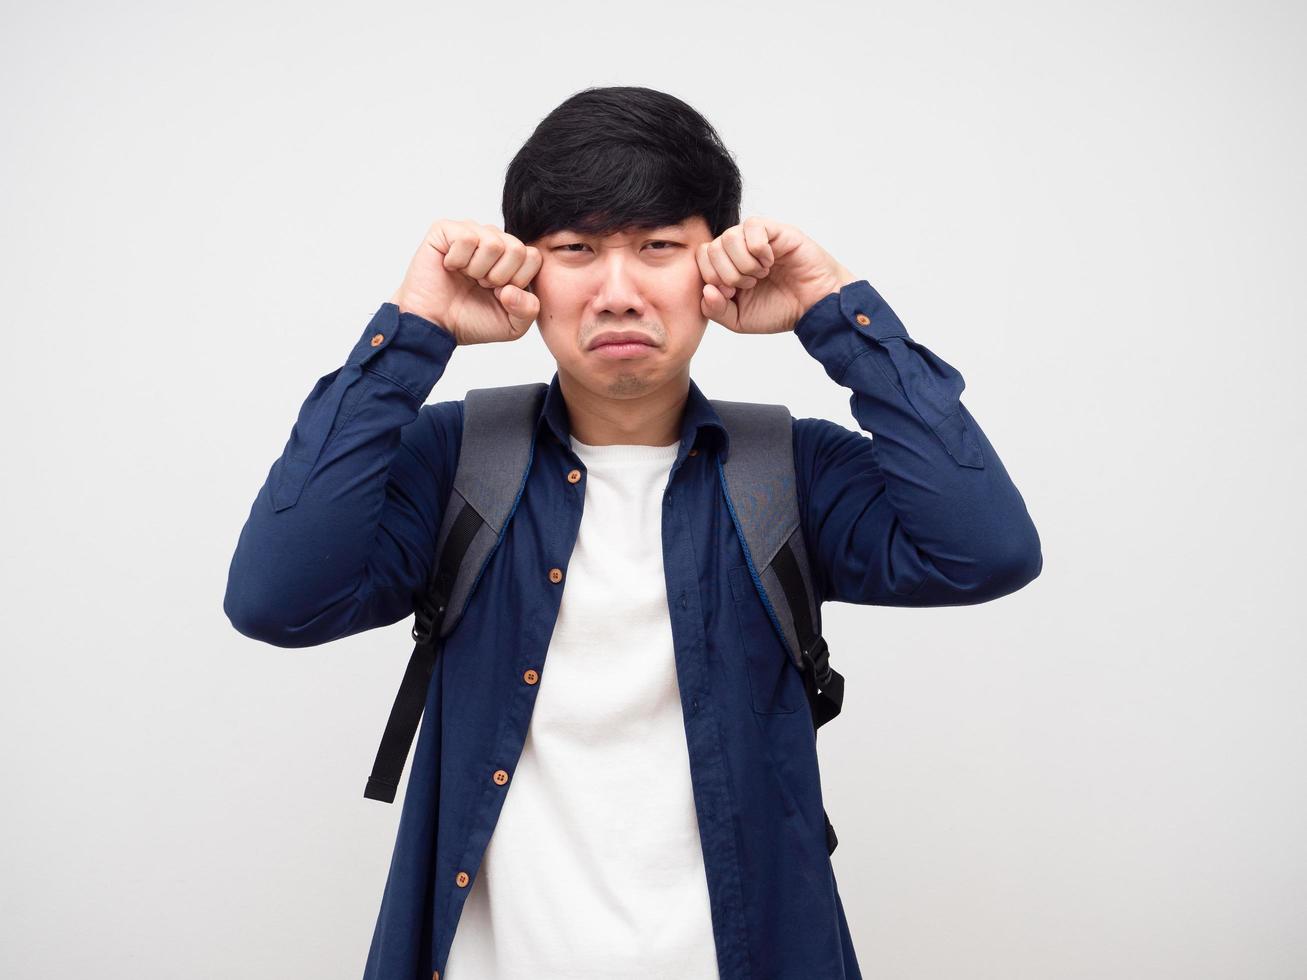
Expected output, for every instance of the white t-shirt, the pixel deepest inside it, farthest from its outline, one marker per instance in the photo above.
(595, 868)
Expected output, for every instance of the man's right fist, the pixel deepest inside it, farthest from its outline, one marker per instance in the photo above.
(471, 279)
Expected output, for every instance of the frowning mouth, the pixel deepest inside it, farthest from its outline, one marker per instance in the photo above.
(621, 338)
(622, 350)
(622, 344)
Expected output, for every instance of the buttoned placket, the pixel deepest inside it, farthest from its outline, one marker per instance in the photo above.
(512, 731)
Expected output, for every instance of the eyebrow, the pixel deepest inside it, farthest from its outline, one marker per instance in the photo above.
(662, 230)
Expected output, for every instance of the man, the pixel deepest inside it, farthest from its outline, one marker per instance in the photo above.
(616, 773)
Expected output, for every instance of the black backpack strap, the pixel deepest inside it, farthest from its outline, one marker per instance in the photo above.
(824, 704)
(494, 457)
(758, 480)
(824, 684)
(406, 712)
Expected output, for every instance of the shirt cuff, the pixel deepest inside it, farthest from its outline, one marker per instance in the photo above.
(405, 349)
(831, 327)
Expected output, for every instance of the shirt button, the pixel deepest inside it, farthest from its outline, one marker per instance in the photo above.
(574, 476)
(435, 975)
(694, 452)
(461, 879)
(863, 319)
(555, 575)
(530, 676)
(378, 339)
(500, 777)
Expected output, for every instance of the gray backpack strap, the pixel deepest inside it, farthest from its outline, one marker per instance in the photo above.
(759, 482)
(758, 478)
(762, 494)
(493, 460)
(498, 441)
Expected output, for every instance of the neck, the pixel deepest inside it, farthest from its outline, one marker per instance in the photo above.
(651, 418)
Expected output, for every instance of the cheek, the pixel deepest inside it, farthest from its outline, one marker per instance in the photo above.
(557, 290)
(685, 300)
(559, 318)
(691, 281)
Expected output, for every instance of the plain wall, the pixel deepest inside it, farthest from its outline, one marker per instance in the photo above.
(1094, 211)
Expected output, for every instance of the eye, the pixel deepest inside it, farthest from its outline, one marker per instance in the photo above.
(574, 247)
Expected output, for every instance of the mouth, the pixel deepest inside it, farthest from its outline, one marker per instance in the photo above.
(622, 343)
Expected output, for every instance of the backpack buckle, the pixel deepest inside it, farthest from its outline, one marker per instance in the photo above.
(426, 616)
(817, 657)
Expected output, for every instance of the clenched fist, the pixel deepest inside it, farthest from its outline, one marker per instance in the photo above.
(471, 279)
(762, 275)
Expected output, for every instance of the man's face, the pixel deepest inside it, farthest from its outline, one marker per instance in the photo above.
(643, 283)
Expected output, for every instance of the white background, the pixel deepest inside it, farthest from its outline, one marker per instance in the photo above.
(1094, 211)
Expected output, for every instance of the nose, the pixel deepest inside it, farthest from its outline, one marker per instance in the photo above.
(618, 291)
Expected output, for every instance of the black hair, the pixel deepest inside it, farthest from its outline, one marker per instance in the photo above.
(617, 158)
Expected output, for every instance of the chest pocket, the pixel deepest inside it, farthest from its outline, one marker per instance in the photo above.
(766, 662)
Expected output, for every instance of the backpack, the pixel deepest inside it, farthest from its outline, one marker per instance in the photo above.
(494, 459)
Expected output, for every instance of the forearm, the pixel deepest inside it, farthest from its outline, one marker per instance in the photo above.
(332, 544)
(963, 533)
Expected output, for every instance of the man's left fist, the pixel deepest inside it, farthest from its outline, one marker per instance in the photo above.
(761, 276)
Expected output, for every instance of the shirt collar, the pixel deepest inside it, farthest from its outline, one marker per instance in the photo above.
(699, 414)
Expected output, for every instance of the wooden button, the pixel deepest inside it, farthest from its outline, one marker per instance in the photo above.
(694, 452)
(461, 879)
(863, 319)
(501, 777)
(435, 975)
(555, 575)
(378, 339)
(530, 675)
(574, 476)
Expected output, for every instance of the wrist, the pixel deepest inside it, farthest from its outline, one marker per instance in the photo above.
(837, 280)
(424, 311)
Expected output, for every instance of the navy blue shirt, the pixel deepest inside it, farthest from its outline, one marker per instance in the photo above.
(341, 538)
